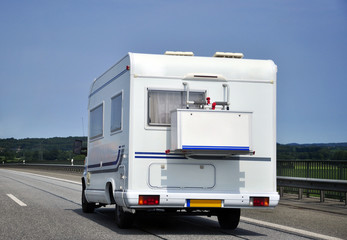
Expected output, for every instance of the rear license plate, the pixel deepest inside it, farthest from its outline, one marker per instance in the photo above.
(205, 203)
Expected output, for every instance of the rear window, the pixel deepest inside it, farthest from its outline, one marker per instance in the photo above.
(162, 102)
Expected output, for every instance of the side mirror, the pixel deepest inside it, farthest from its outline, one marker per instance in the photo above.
(78, 148)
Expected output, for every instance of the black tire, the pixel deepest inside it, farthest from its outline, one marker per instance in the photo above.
(123, 219)
(229, 218)
(86, 206)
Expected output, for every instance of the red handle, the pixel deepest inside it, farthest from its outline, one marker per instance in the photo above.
(208, 100)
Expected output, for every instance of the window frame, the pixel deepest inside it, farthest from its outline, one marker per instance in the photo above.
(115, 131)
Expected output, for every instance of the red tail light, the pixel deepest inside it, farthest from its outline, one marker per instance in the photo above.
(149, 199)
(259, 201)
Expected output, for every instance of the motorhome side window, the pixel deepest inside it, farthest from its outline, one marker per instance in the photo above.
(116, 113)
(96, 122)
(162, 102)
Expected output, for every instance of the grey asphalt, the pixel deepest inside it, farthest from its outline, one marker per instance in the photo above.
(53, 211)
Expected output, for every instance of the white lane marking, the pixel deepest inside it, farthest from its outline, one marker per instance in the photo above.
(44, 176)
(54, 178)
(19, 202)
(288, 229)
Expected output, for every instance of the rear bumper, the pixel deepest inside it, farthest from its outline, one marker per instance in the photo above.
(170, 199)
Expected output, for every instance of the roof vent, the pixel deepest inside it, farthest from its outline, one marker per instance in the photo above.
(228, 55)
(174, 53)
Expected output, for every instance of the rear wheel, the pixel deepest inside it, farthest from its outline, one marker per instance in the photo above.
(229, 218)
(86, 206)
(123, 219)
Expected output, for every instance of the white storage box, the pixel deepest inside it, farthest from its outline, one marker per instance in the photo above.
(211, 131)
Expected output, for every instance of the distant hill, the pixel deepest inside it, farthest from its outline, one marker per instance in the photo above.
(343, 144)
(318, 151)
(60, 148)
(38, 149)
(61, 143)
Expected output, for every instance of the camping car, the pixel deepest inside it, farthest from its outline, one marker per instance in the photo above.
(181, 134)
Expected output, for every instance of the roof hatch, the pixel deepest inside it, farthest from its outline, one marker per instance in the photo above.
(228, 55)
(176, 53)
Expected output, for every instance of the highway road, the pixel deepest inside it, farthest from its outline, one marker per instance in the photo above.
(42, 207)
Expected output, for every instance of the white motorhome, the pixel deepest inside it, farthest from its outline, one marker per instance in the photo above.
(182, 134)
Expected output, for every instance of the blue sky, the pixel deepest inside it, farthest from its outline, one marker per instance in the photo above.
(50, 52)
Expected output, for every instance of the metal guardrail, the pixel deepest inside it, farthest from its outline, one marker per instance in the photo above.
(313, 169)
(295, 182)
(322, 169)
(50, 167)
(313, 183)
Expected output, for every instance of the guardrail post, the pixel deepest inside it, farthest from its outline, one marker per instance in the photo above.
(281, 191)
(300, 193)
(322, 195)
(308, 175)
(340, 167)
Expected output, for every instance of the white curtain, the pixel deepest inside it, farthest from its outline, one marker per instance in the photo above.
(160, 105)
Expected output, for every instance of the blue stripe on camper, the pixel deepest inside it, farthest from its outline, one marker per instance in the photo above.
(107, 83)
(108, 163)
(155, 155)
(160, 157)
(152, 153)
(188, 202)
(103, 164)
(232, 148)
(94, 165)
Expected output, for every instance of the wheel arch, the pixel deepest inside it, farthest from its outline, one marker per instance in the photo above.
(109, 191)
(83, 181)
